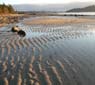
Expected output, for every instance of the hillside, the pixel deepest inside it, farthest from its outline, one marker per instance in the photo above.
(85, 9)
(5, 9)
(51, 7)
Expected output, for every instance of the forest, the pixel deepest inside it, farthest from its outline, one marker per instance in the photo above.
(6, 9)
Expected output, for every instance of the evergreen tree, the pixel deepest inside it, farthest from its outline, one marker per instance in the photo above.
(10, 8)
(6, 9)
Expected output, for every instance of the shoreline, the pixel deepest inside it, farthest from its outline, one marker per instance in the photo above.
(42, 20)
(11, 18)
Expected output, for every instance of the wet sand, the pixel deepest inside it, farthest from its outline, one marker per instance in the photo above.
(50, 54)
(61, 20)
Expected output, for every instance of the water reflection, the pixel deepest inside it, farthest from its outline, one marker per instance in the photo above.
(34, 34)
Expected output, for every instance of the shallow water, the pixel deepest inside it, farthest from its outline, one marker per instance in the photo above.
(69, 47)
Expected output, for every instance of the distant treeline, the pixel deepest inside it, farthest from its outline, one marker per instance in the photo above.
(6, 9)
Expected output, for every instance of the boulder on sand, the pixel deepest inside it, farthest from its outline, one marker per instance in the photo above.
(15, 29)
(21, 33)
(18, 30)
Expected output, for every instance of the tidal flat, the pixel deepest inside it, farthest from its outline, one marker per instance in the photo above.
(55, 51)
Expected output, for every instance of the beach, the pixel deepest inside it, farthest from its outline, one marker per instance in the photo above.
(56, 50)
(6, 19)
(55, 20)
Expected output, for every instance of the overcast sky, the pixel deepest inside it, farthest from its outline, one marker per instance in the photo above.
(42, 1)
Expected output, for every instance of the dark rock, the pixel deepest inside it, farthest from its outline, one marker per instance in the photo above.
(21, 33)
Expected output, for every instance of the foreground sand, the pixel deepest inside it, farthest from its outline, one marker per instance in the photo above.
(48, 55)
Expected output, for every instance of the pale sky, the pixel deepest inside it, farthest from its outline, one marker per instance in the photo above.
(42, 1)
